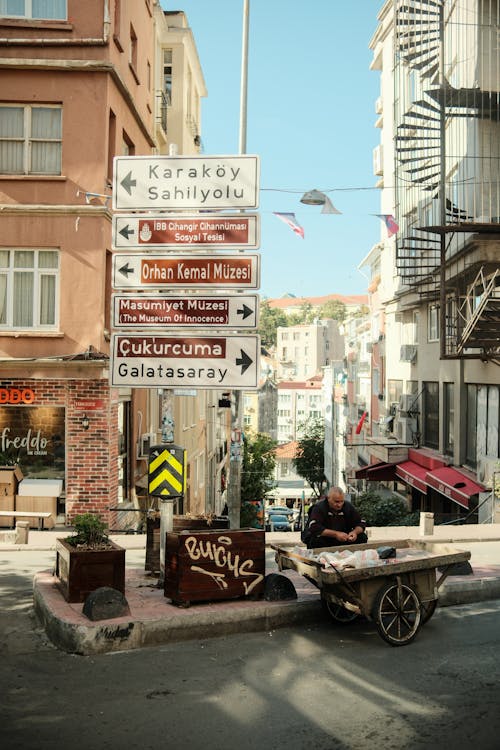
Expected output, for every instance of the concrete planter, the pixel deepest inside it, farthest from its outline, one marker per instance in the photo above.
(81, 571)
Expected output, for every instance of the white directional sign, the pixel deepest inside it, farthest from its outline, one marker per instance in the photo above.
(133, 231)
(176, 183)
(143, 271)
(191, 361)
(165, 311)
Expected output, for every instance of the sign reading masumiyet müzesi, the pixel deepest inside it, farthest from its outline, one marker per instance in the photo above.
(185, 182)
(143, 360)
(145, 311)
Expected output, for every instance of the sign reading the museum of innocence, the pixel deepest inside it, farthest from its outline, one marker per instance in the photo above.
(192, 361)
(185, 182)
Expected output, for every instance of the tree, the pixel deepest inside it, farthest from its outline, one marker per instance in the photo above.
(270, 319)
(384, 511)
(333, 309)
(257, 467)
(310, 459)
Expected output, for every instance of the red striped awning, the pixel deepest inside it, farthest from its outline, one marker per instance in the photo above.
(454, 484)
(413, 474)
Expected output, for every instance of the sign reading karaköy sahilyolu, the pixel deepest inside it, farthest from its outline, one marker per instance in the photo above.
(184, 182)
(191, 361)
(163, 311)
(142, 271)
(132, 231)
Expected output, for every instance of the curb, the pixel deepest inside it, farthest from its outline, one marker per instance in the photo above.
(122, 633)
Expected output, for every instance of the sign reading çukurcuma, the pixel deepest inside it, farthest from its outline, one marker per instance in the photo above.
(194, 361)
(33, 437)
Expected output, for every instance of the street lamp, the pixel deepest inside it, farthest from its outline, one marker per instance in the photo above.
(317, 198)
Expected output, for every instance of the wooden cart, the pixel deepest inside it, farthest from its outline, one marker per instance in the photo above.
(399, 595)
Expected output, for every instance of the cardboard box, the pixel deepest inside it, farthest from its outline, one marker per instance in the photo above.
(10, 476)
(7, 503)
(48, 504)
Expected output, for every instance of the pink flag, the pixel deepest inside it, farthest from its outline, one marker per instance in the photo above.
(390, 222)
(292, 222)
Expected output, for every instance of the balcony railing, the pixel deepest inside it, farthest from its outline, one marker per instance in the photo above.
(162, 104)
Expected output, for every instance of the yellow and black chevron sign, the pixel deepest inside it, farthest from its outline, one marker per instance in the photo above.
(166, 470)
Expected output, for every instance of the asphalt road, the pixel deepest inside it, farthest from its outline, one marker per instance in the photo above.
(326, 687)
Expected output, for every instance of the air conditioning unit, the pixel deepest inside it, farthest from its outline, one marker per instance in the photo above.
(486, 468)
(407, 403)
(405, 429)
(408, 353)
(145, 442)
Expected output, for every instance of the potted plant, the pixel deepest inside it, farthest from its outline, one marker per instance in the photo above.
(88, 560)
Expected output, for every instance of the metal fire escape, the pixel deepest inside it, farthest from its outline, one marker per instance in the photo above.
(447, 170)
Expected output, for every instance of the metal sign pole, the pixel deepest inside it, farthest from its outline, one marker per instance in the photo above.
(166, 525)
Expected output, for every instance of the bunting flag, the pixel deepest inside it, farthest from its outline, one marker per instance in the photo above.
(329, 208)
(390, 222)
(292, 222)
(360, 423)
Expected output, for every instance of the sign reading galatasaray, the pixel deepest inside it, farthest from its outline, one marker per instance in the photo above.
(198, 361)
(159, 231)
(139, 271)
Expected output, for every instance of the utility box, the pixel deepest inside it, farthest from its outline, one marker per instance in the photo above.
(426, 524)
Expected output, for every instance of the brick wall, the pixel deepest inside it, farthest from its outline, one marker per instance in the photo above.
(91, 456)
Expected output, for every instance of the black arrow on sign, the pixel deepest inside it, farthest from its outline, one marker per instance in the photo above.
(125, 270)
(245, 311)
(128, 183)
(244, 361)
(126, 232)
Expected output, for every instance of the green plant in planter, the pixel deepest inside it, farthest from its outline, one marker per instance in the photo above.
(90, 532)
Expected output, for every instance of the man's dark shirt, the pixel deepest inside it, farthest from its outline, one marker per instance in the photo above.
(323, 517)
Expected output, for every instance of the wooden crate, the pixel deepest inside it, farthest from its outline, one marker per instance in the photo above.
(47, 504)
(214, 565)
(180, 523)
(7, 502)
(80, 571)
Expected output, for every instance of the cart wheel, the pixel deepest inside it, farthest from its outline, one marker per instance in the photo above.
(397, 613)
(338, 613)
(427, 609)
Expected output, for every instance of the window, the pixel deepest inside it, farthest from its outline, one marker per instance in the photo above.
(167, 73)
(394, 390)
(448, 418)
(30, 139)
(29, 289)
(133, 51)
(433, 323)
(430, 415)
(471, 426)
(36, 9)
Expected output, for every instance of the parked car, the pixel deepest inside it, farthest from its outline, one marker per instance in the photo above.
(280, 518)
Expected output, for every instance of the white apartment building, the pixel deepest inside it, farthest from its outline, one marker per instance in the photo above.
(298, 402)
(438, 285)
(303, 350)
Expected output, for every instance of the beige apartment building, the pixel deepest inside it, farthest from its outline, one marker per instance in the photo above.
(436, 282)
(81, 84)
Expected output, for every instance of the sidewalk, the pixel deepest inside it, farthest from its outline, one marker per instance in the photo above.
(153, 620)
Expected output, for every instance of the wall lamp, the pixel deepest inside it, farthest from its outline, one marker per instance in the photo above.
(85, 422)
(317, 198)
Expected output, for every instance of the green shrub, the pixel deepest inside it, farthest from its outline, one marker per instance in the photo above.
(90, 531)
(384, 511)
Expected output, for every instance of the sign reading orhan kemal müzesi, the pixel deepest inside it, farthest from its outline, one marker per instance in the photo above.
(185, 182)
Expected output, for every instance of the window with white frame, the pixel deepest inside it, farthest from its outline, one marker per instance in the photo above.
(433, 323)
(36, 9)
(30, 139)
(29, 289)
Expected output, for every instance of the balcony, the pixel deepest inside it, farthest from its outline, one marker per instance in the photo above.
(162, 104)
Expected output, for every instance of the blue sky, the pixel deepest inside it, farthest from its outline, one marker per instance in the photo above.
(311, 120)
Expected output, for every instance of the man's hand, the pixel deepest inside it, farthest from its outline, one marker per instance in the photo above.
(342, 536)
(352, 536)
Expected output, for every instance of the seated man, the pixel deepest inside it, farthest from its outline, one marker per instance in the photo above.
(334, 521)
